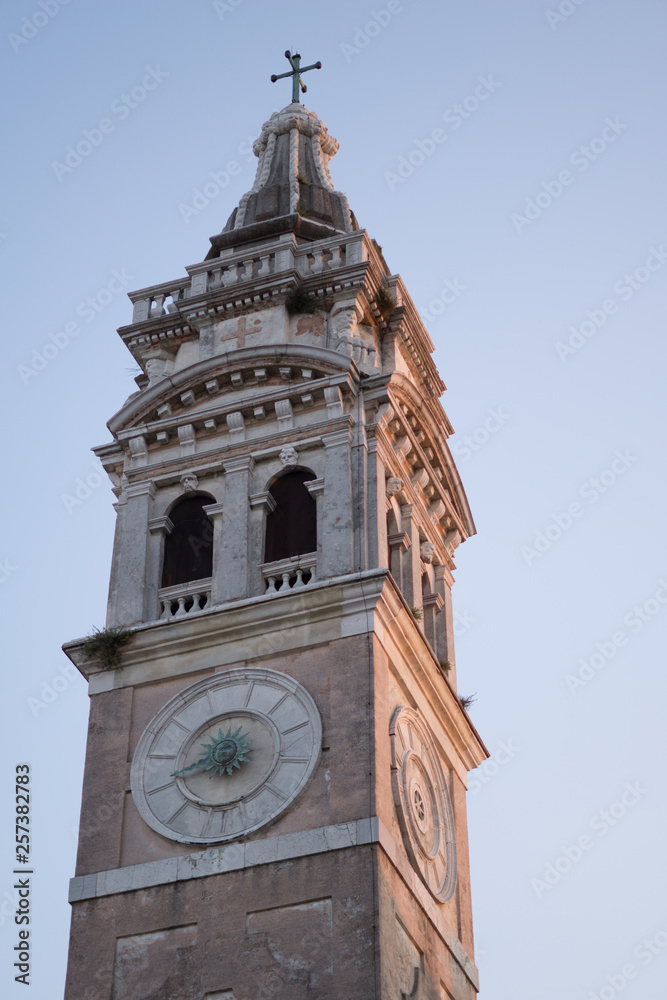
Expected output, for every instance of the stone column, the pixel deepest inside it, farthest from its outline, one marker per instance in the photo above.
(127, 589)
(214, 511)
(261, 504)
(337, 530)
(232, 571)
(410, 559)
(431, 606)
(159, 528)
(444, 626)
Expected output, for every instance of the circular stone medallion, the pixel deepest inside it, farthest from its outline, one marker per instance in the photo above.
(422, 802)
(226, 756)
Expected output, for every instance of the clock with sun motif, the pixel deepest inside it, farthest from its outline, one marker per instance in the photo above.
(422, 802)
(226, 756)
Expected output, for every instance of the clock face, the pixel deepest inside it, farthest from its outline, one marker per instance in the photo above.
(226, 756)
(422, 802)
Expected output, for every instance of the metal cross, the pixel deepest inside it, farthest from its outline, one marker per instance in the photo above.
(295, 73)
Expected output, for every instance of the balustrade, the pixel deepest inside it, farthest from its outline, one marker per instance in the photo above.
(184, 599)
(289, 574)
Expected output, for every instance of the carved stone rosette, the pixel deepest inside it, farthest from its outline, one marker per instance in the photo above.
(422, 802)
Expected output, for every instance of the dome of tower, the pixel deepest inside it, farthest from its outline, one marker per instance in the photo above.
(293, 190)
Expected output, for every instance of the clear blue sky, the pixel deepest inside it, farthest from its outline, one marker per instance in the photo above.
(530, 229)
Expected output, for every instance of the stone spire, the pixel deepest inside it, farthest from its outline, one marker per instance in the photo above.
(293, 190)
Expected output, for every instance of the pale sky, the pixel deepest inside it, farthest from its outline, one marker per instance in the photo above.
(510, 159)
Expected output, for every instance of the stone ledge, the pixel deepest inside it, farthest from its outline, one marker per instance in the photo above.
(232, 857)
(288, 846)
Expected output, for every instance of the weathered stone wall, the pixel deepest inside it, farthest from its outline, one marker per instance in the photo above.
(296, 930)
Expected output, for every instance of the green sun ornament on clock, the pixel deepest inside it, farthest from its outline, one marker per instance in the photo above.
(222, 753)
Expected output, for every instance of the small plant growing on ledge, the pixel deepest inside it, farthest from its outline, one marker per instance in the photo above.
(385, 303)
(298, 302)
(105, 645)
(445, 666)
(467, 700)
(417, 613)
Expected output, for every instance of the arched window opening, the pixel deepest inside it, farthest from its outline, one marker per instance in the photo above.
(291, 528)
(188, 550)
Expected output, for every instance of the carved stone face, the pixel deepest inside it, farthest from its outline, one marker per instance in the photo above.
(155, 369)
(344, 320)
(189, 482)
(288, 457)
(427, 551)
(394, 484)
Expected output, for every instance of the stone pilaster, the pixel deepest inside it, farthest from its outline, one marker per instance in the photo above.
(444, 624)
(159, 528)
(410, 558)
(232, 572)
(261, 504)
(128, 594)
(214, 512)
(337, 531)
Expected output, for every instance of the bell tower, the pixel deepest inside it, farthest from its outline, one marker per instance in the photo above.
(280, 755)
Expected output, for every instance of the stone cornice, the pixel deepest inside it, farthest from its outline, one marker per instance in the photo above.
(319, 613)
(142, 404)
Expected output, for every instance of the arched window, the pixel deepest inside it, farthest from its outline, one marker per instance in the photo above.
(291, 528)
(188, 550)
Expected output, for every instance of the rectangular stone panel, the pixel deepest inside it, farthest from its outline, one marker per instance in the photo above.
(158, 961)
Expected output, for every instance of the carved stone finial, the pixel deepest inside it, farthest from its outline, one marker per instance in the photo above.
(394, 485)
(427, 551)
(288, 457)
(189, 482)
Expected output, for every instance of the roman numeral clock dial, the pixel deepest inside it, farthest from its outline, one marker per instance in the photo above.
(226, 756)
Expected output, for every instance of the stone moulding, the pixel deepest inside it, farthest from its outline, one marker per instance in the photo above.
(240, 856)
